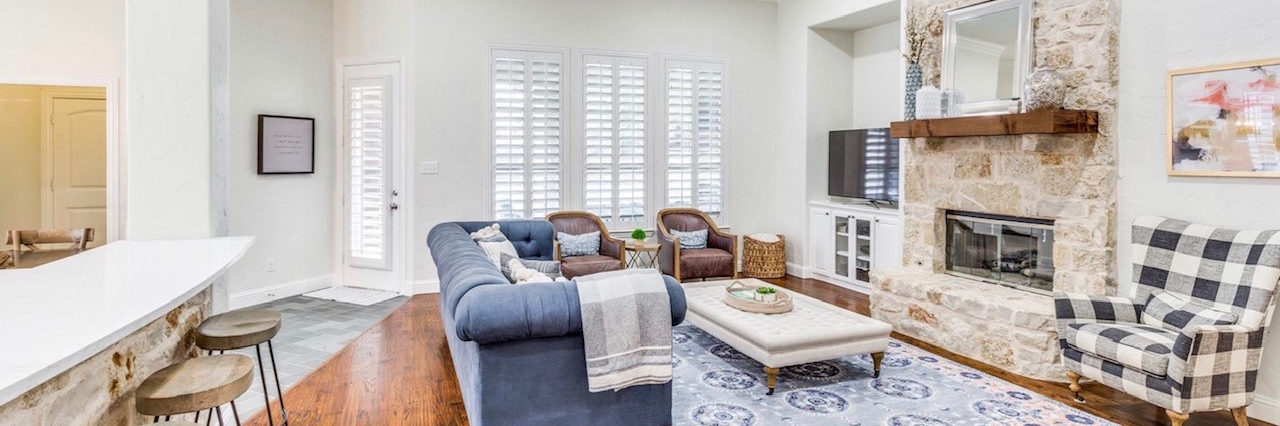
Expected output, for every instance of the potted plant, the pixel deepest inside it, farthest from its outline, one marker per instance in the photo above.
(638, 235)
(766, 294)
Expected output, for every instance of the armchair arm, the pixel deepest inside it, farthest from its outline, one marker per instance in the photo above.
(504, 313)
(613, 247)
(669, 254)
(555, 249)
(1075, 308)
(1216, 360)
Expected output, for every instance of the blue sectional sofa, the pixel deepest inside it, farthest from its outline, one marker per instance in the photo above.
(517, 349)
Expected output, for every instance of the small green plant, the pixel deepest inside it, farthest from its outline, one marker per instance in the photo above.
(765, 290)
(638, 234)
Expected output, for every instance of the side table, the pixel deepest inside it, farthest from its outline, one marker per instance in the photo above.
(639, 254)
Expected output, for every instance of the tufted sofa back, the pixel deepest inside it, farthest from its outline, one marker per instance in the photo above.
(462, 265)
(534, 239)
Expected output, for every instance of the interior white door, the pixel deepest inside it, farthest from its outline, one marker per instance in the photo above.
(372, 148)
(77, 138)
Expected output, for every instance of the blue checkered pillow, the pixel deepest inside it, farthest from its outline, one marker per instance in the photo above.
(691, 240)
(587, 244)
(1176, 312)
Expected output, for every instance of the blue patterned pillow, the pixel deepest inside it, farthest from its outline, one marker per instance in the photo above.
(579, 245)
(691, 240)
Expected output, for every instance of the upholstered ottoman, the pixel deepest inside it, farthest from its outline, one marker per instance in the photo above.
(813, 331)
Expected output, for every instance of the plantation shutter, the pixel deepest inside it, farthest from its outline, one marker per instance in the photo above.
(526, 132)
(368, 181)
(695, 138)
(614, 137)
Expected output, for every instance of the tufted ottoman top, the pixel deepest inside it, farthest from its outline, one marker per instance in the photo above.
(811, 324)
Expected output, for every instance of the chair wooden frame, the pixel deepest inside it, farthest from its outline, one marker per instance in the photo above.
(28, 238)
(663, 233)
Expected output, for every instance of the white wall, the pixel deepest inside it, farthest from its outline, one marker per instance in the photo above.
(830, 86)
(1156, 37)
(877, 75)
(281, 61)
(449, 83)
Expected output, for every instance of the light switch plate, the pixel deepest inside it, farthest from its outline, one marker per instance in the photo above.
(429, 167)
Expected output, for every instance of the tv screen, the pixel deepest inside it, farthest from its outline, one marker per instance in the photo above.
(863, 164)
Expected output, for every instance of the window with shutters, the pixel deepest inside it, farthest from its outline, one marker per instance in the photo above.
(526, 108)
(368, 181)
(695, 134)
(614, 138)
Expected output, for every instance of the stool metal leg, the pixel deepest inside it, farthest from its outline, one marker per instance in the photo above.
(271, 421)
(235, 412)
(222, 422)
(284, 415)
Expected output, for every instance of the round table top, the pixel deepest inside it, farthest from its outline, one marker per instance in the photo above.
(645, 246)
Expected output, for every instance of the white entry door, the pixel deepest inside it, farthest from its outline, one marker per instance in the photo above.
(372, 174)
(77, 146)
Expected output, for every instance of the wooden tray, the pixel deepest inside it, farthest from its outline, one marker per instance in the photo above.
(779, 306)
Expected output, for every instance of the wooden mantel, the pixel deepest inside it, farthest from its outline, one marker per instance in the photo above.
(1039, 122)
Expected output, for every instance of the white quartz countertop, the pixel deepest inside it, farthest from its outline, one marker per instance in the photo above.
(57, 315)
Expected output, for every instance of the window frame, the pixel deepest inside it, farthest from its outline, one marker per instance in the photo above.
(665, 62)
(567, 130)
(580, 141)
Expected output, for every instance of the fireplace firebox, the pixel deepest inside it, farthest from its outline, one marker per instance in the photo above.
(1006, 250)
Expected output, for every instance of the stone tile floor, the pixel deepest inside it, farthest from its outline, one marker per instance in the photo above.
(313, 330)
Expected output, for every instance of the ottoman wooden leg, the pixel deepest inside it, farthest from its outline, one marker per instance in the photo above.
(1176, 419)
(1075, 385)
(876, 358)
(771, 378)
(1242, 419)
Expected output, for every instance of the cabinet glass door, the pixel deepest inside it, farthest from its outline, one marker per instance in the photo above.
(843, 227)
(862, 248)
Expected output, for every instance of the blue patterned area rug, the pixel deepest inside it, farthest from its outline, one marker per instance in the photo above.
(717, 385)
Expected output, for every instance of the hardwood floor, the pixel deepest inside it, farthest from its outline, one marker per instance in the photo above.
(400, 373)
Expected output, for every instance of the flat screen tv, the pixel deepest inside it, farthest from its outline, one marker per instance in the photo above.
(863, 163)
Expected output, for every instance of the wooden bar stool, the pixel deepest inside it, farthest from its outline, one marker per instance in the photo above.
(243, 328)
(195, 385)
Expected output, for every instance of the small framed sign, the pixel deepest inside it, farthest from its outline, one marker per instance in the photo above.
(286, 145)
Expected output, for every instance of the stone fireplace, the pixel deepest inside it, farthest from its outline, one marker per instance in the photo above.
(1065, 181)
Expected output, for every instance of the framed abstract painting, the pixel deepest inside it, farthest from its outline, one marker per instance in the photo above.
(1224, 120)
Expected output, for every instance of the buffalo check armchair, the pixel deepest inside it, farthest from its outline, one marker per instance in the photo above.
(1189, 336)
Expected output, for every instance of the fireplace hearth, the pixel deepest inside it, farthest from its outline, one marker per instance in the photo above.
(1005, 250)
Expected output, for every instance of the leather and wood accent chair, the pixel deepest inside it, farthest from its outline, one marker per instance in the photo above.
(26, 254)
(719, 259)
(613, 251)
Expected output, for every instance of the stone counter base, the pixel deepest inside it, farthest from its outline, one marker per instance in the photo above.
(1007, 328)
(99, 391)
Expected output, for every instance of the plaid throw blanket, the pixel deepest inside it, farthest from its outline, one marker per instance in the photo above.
(626, 325)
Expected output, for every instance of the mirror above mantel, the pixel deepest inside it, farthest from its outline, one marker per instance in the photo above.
(986, 52)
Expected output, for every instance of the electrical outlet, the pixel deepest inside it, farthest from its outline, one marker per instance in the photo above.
(271, 264)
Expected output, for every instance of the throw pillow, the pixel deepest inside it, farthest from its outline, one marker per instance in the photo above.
(1176, 312)
(521, 275)
(587, 244)
(550, 268)
(486, 232)
(691, 240)
(495, 246)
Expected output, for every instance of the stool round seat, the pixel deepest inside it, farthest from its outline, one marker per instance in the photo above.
(237, 329)
(195, 384)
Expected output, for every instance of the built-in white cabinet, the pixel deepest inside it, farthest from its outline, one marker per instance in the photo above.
(846, 242)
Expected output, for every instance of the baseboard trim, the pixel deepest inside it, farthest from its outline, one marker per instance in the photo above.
(797, 270)
(1265, 408)
(426, 286)
(279, 291)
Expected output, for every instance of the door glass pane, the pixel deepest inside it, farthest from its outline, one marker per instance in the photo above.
(368, 174)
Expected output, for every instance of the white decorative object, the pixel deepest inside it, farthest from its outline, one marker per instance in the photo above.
(1045, 89)
(928, 103)
(953, 100)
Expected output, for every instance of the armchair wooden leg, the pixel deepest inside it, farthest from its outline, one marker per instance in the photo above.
(1242, 419)
(1075, 385)
(1175, 418)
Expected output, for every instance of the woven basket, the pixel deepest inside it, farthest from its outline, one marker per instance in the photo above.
(764, 260)
(781, 305)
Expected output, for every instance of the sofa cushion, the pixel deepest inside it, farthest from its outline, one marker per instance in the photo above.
(691, 240)
(1138, 346)
(586, 265)
(1176, 312)
(587, 244)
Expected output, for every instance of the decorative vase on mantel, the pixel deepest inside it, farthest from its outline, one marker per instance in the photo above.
(915, 79)
(1045, 89)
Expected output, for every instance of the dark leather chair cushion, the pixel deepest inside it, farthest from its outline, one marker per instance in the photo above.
(706, 263)
(575, 266)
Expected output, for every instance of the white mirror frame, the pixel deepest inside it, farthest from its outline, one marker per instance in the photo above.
(1022, 59)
